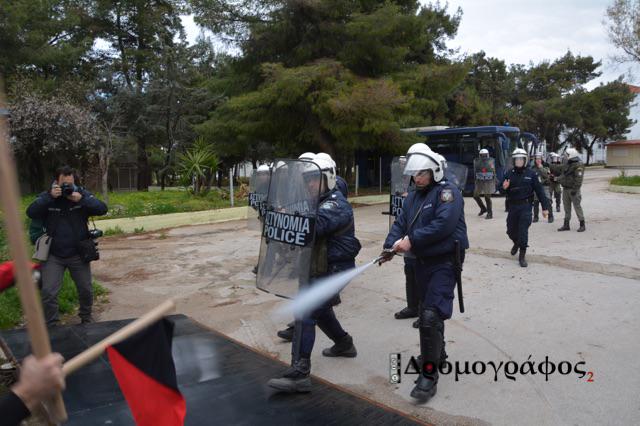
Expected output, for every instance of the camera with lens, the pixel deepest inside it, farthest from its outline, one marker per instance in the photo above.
(67, 189)
(95, 233)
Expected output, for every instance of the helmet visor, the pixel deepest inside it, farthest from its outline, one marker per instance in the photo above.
(419, 162)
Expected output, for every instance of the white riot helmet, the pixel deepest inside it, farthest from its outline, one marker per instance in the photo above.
(327, 168)
(420, 158)
(519, 153)
(572, 153)
(326, 157)
(484, 152)
(263, 168)
(309, 156)
(417, 147)
(555, 158)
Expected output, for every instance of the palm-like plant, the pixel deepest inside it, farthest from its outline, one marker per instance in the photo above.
(198, 164)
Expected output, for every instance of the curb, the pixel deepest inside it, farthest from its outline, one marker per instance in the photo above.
(204, 217)
(624, 189)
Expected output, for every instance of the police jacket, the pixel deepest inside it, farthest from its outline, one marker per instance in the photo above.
(335, 225)
(341, 184)
(572, 174)
(523, 182)
(66, 221)
(438, 225)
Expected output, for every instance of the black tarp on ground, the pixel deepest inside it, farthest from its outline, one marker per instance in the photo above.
(223, 382)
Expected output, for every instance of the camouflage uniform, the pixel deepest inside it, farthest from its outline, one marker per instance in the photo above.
(544, 176)
(571, 180)
(554, 185)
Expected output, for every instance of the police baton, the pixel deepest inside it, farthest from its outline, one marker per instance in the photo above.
(458, 266)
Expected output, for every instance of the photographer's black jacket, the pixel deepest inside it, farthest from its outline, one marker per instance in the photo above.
(66, 221)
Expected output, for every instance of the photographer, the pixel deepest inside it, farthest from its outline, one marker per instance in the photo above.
(65, 210)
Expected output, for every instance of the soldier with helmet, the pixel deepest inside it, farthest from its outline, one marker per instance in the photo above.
(430, 227)
(555, 170)
(520, 183)
(544, 176)
(571, 181)
(485, 182)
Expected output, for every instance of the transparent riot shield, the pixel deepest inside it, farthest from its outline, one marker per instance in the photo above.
(457, 173)
(258, 190)
(289, 227)
(399, 187)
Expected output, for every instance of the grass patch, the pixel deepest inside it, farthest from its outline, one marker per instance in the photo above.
(626, 180)
(113, 231)
(142, 203)
(11, 311)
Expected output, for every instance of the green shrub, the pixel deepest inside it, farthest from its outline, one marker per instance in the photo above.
(11, 311)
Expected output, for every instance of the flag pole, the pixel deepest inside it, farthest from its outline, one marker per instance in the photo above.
(125, 332)
(31, 305)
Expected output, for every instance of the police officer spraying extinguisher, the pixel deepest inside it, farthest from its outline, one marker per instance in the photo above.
(520, 183)
(432, 228)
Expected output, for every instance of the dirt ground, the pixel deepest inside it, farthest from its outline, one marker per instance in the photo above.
(576, 302)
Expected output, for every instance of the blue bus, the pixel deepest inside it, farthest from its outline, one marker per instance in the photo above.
(462, 144)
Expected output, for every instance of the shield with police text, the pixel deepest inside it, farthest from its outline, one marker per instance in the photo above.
(399, 187)
(485, 176)
(288, 233)
(258, 190)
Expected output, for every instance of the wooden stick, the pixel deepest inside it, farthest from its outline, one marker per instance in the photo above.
(125, 332)
(29, 298)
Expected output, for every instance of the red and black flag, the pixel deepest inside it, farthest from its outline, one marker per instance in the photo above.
(146, 373)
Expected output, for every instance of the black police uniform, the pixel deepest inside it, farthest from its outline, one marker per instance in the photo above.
(523, 182)
(439, 224)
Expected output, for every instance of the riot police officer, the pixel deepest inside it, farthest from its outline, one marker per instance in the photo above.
(341, 185)
(485, 182)
(555, 169)
(335, 249)
(571, 181)
(544, 176)
(430, 227)
(520, 183)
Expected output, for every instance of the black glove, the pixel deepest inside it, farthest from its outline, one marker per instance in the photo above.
(385, 256)
(573, 192)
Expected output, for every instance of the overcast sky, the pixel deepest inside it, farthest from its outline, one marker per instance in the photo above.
(519, 31)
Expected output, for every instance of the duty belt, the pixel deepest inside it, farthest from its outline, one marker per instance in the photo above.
(520, 202)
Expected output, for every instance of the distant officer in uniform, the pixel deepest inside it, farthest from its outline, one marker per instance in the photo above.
(335, 250)
(571, 181)
(431, 222)
(555, 169)
(485, 182)
(544, 175)
(520, 183)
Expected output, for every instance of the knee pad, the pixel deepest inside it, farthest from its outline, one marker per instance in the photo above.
(430, 317)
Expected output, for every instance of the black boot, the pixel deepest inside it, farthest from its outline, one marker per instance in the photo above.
(343, 347)
(582, 227)
(295, 378)
(483, 209)
(431, 340)
(489, 208)
(536, 210)
(558, 205)
(551, 215)
(286, 334)
(565, 227)
(521, 259)
(514, 249)
(406, 313)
